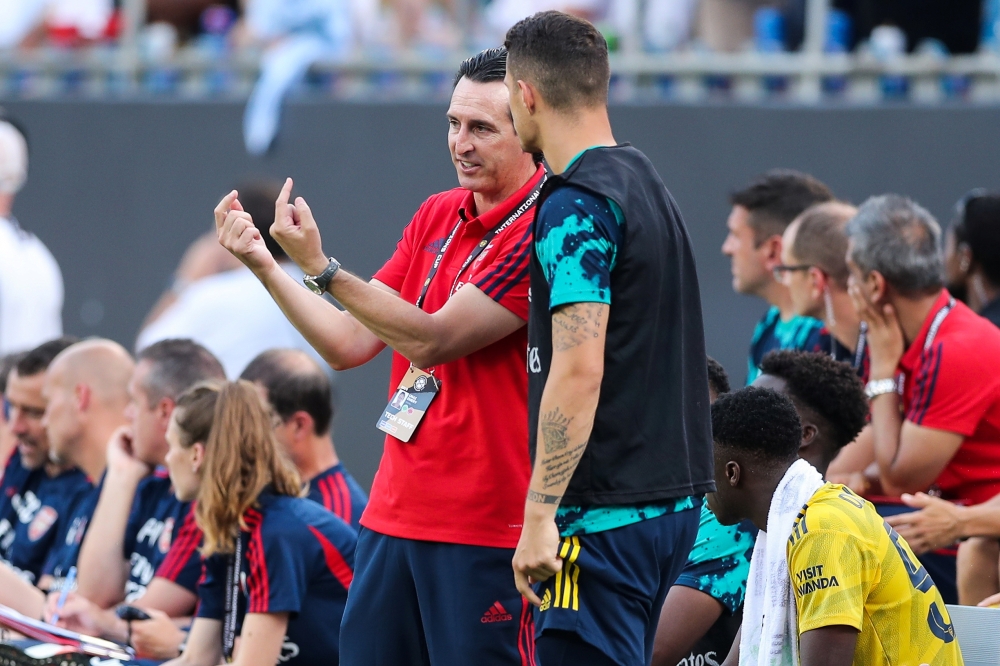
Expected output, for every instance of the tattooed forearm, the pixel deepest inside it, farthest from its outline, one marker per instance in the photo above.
(543, 499)
(559, 469)
(572, 325)
(554, 425)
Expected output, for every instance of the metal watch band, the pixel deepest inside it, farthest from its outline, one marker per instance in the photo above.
(879, 387)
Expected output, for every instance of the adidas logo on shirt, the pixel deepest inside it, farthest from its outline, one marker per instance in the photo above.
(496, 613)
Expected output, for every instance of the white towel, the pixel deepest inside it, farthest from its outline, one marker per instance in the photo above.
(769, 635)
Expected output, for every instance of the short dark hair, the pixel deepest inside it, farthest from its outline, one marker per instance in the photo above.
(38, 359)
(776, 198)
(291, 387)
(176, 366)
(901, 240)
(565, 57)
(257, 198)
(718, 380)
(759, 422)
(7, 364)
(485, 67)
(981, 223)
(828, 389)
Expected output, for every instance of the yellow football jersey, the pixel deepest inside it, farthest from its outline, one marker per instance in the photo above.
(848, 567)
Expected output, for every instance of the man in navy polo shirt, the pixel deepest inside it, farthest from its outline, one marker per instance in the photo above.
(138, 514)
(432, 578)
(618, 395)
(85, 395)
(35, 494)
(299, 392)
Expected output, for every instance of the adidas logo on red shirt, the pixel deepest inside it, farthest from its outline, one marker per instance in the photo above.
(496, 613)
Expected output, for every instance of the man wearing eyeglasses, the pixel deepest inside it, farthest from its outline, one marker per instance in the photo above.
(814, 269)
(760, 214)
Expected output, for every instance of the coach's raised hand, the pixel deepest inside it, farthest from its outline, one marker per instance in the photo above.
(238, 234)
(297, 233)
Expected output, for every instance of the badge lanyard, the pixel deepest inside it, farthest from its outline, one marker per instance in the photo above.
(478, 250)
(232, 599)
(859, 355)
(931, 334)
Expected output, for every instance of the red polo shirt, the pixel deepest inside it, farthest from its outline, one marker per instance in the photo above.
(463, 476)
(954, 385)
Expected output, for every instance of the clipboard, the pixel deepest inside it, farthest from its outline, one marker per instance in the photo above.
(49, 633)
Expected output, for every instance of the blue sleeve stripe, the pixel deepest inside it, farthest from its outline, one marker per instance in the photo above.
(510, 284)
(510, 264)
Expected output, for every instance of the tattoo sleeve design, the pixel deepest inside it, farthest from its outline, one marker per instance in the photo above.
(574, 324)
(553, 425)
(558, 469)
(540, 498)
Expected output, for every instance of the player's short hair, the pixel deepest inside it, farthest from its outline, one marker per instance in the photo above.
(485, 67)
(823, 388)
(718, 380)
(820, 240)
(7, 364)
(175, 366)
(901, 240)
(38, 359)
(294, 383)
(776, 198)
(979, 227)
(758, 422)
(564, 57)
(257, 198)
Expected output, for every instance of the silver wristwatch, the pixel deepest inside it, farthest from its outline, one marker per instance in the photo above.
(318, 283)
(879, 387)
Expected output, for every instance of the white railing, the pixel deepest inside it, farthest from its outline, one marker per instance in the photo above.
(806, 77)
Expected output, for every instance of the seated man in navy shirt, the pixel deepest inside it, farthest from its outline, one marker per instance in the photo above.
(35, 493)
(156, 537)
(84, 390)
(300, 393)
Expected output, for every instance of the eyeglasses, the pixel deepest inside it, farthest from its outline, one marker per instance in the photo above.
(781, 269)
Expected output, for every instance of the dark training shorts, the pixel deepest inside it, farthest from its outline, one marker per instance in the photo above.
(612, 586)
(423, 603)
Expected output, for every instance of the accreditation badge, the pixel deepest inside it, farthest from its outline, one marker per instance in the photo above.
(409, 404)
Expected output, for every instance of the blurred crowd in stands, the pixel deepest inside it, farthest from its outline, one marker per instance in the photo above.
(443, 26)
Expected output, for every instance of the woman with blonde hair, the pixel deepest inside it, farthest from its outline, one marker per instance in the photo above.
(277, 566)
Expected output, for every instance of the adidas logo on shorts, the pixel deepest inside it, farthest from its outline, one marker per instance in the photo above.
(496, 613)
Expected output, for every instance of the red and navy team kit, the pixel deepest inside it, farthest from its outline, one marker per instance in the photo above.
(34, 507)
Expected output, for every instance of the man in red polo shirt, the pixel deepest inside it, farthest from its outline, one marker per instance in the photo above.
(935, 365)
(432, 583)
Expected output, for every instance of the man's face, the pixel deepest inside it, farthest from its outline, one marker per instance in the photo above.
(149, 421)
(725, 501)
(62, 421)
(524, 123)
(802, 288)
(484, 148)
(748, 260)
(24, 394)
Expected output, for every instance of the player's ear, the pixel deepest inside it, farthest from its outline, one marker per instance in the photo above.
(197, 456)
(528, 95)
(733, 473)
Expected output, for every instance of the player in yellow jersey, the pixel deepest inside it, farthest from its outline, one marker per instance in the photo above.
(862, 597)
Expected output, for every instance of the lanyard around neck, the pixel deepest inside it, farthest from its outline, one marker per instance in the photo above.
(518, 211)
(232, 598)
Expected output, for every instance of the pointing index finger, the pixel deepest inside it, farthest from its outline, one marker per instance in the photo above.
(286, 192)
(223, 208)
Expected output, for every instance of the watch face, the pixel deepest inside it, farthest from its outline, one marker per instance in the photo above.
(313, 287)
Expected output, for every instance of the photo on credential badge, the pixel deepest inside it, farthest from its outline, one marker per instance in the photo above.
(412, 398)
